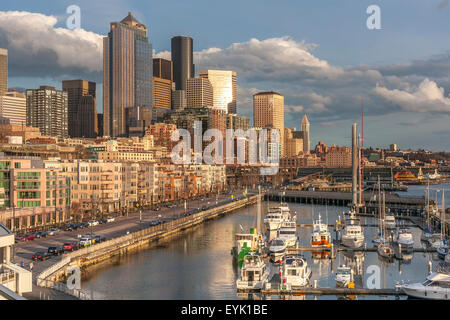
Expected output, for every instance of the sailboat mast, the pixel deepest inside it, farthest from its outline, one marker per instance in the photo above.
(443, 213)
(258, 220)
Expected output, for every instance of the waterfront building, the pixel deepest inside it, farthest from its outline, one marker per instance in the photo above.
(162, 134)
(183, 61)
(127, 74)
(268, 113)
(3, 71)
(13, 108)
(305, 130)
(223, 84)
(47, 109)
(338, 157)
(199, 93)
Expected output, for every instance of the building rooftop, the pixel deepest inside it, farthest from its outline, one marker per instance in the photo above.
(267, 93)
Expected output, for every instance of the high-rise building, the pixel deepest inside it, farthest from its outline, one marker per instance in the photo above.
(268, 113)
(127, 73)
(305, 130)
(13, 108)
(82, 108)
(179, 100)
(293, 146)
(199, 93)
(100, 124)
(162, 83)
(183, 61)
(47, 110)
(3, 71)
(224, 88)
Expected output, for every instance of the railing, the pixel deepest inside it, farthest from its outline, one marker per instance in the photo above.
(6, 276)
(62, 287)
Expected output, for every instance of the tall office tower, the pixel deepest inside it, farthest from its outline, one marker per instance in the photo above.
(13, 108)
(199, 93)
(3, 71)
(224, 88)
(268, 113)
(179, 100)
(127, 73)
(183, 61)
(305, 130)
(47, 110)
(162, 83)
(82, 123)
(100, 124)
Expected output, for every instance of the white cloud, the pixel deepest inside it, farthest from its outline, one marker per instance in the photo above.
(427, 97)
(32, 39)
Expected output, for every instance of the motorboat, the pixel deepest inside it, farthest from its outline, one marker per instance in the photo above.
(405, 238)
(246, 242)
(442, 251)
(254, 273)
(288, 233)
(436, 286)
(353, 234)
(437, 240)
(385, 250)
(273, 220)
(296, 272)
(344, 275)
(320, 235)
(277, 248)
(390, 221)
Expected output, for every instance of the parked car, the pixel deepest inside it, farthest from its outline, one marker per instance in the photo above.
(98, 239)
(56, 251)
(26, 237)
(110, 219)
(92, 223)
(40, 234)
(53, 231)
(70, 246)
(102, 221)
(70, 227)
(84, 225)
(154, 222)
(85, 242)
(40, 255)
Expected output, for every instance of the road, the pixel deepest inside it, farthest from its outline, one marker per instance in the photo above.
(122, 224)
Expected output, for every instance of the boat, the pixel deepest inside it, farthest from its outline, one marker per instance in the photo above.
(404, 238)
(245, 242)
(353, 234)
(273, 220)
(344, 275)
(277, 248)
(390, 221)
(437, 240)
(436, 286)
(254, 273)
(320, 235)
(296, 272)
(442, 251)
(288, 233)
(432, 176)
(385, 250)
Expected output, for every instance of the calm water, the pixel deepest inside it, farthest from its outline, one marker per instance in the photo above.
(198, 265)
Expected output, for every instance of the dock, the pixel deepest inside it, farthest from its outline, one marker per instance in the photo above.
(333, 291)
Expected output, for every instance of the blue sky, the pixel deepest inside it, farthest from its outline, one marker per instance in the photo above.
(401, 70)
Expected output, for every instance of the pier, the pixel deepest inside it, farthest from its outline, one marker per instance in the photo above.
(333, 291)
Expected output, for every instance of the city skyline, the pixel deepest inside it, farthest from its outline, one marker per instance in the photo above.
(405, 94)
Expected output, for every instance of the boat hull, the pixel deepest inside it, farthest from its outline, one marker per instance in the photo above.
(353, 242)
(422, 292)
(272, 225)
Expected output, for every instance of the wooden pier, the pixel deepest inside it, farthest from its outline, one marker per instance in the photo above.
(333, 291)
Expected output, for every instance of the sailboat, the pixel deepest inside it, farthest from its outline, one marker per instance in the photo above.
(384, 249)
(441, 243)
(426, 234)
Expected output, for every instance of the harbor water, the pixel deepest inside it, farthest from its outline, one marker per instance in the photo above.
(197, 264)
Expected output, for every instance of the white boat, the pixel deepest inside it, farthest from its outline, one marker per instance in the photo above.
(254, 273)
(296, 272)
(273, 220)
(437, 240)
(288, 233)
(245, 241)
(277, 248)
(353, 234)
(436, 286)
(385, 250)
(344, 275)
(390, 221)
(320, 235)
(405, 238)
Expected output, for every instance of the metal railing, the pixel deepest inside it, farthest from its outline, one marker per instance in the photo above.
(62, 287)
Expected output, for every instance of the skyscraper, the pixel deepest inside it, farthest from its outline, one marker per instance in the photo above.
(305, 130)
(224, 88)
(82, 108)
(268, 113)
(127, 73)
(183, 61)
(162, 83)
(3, 71)
(199, 93)
(13, 108)
(47, 110)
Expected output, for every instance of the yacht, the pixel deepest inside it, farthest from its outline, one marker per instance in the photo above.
(390, 221)
(245, 242)
(405, 238)
(353, 234)
(288, 233)
(343, 276)
(296, 272)
(273, 220)
(437, 240)
(254, 273)
(436, 286)
(320, 235)
(277, 248)
(385, 250)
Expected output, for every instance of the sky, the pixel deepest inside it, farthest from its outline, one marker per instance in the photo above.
(319, 54)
